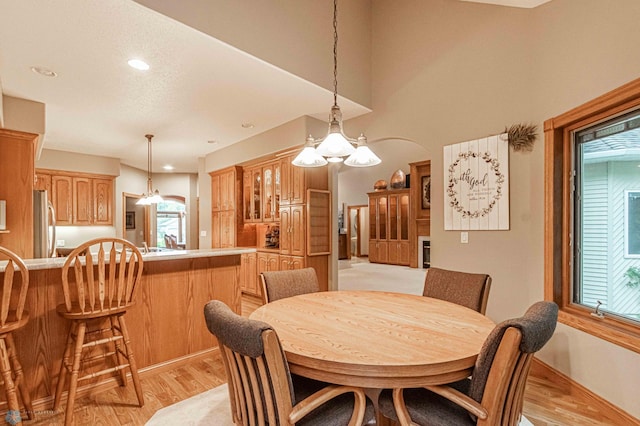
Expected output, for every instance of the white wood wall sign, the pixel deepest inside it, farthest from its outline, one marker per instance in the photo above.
(476, 184)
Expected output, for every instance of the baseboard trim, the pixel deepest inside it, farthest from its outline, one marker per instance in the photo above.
(45, 404)
(619, 416)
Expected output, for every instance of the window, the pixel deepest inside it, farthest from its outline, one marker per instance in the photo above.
(171, 221)
(592, 216)
(632, 224)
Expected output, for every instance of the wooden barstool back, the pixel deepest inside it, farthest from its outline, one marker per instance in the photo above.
(15, 283)
(99, 281)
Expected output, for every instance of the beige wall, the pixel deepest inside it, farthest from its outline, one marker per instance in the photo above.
(445, 72)
(22, 114)
(295, 35)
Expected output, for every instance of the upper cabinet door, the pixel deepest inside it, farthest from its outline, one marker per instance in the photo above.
(268, 194)
(215, 193)
(43, 182)
(102, 202)
(82, 201)
(61, 195)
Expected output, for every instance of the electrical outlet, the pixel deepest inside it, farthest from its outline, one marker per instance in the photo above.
(203, 233)
(59, 243)
(464, 237)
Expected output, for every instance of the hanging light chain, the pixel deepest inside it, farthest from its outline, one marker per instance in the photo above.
(335, 52)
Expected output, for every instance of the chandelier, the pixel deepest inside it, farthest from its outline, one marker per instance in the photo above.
(151, 196)
(336, 145)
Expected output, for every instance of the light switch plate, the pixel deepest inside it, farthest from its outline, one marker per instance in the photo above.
(464, 237)
(60, 243)
(203, 233)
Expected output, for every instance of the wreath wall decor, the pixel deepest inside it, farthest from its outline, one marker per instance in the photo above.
(477, 184)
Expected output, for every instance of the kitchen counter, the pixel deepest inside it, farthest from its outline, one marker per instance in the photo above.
(58, 262)
(166, 324)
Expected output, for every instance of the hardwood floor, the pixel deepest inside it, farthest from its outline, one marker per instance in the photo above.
(546, 403)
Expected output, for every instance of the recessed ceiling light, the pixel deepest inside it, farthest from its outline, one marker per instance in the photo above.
(213, 142)
(168, 167)
(44, 71)
(248, 125)
(138, 64)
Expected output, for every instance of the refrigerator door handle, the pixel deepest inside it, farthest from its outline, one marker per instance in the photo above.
(52, 243)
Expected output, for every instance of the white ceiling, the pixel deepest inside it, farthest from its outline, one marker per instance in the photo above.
(198, 88)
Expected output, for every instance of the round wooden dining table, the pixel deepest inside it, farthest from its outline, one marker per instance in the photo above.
(376, 339)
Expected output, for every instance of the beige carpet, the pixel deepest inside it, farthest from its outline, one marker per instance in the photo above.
(208, 408)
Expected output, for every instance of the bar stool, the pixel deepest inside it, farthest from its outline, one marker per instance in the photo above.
(12, 317)
(95, 301)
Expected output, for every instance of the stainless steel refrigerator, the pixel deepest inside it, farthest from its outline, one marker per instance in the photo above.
(44, 226)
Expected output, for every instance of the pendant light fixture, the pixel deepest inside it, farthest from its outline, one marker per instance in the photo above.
(336, 145)
(151, 197)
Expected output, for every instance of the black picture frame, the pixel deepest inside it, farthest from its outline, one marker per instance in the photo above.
(425, 191)
(130, 220)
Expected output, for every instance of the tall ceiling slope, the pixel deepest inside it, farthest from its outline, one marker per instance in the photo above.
(295, 35)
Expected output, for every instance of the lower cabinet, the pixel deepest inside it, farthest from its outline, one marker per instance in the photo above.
(378, 251)
(268, 262)
(291, 262)
(398, 252)
(249, 280)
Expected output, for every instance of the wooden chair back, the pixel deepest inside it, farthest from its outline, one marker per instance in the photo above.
(501, 373)
(13, 298)
(280, 284)
(259, 381)
(462, 288)
(101, 275)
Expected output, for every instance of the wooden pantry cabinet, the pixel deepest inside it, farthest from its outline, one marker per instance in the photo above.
(227, 228)
(389, 226)
(78, 198)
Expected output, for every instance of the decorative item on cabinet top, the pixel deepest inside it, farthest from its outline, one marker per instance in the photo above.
(380, 185)
(397, 180)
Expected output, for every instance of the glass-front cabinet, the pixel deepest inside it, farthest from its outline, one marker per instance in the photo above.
(389, 227)
(271, 192)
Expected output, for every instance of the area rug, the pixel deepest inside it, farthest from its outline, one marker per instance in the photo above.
(207, 408)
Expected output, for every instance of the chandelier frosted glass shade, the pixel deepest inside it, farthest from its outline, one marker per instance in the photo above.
(309, 157)
(363, 156)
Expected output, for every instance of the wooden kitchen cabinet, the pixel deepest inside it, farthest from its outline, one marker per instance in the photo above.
(267, 262)
(102, 201)
(291, 262)
(271, 192)
(17, 157)
(82, 201)
(292, 230)
(78, 198)
(226, 220)
(294, 185)
(249, 274)
(61, 198)
(43, 183)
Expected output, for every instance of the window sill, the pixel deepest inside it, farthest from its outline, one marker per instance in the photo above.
(607, 328)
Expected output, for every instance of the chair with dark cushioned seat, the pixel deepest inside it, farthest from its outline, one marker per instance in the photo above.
(15, 283)
(280, 284)
(262, 390)
(494, 393)
(462, 288)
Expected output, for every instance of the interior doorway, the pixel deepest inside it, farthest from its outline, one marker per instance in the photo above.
(357, 231)
(135, 220)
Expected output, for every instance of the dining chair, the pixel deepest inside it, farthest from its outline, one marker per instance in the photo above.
(99, 281)
(280, 284)
(462, 288)
(494, 393)
(262, 390)
(15, 283)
